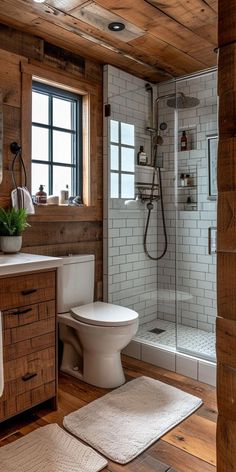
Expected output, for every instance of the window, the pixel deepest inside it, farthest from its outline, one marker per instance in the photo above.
(121, 160)
(56, 140)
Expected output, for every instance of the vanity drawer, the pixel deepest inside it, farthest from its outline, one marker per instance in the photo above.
(28, 329)
(31, 364)
(29, 346)
(28, 380)
(28, 314)
(27, 289)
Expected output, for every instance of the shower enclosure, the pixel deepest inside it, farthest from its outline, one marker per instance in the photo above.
(160, 219)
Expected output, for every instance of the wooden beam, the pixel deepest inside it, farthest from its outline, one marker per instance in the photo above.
(226, 257)
(21, 43)
(226, 23)
(227, 164)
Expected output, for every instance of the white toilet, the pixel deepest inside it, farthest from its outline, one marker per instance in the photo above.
(93, 333)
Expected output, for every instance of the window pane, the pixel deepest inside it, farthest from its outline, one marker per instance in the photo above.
(127, 134)
(114, 157)
(39, 143)
(127, 159)
(61, 178)
(39, 177)
(62, 113)
(127, 186)
(114, 185)
(62, 149)
(114, 131)
(39, 108)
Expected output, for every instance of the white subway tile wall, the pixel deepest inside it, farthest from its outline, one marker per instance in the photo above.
(134, 280)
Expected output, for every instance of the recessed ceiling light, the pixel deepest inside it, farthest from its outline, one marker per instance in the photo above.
(39, 1)
(116, 26)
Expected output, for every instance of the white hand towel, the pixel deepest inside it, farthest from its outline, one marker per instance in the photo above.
(21, 198)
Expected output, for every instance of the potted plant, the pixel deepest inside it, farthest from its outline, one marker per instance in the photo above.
(12, 224)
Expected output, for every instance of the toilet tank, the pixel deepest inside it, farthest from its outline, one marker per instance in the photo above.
(75, 282)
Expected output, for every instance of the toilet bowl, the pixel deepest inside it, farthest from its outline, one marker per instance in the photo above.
(93, 334)
(96, 357)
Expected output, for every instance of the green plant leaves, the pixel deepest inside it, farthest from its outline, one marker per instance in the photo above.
(12, 221)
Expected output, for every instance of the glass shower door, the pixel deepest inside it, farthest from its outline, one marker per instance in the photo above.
(196, 215)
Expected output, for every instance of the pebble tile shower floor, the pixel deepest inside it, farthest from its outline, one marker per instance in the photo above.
(190, 340)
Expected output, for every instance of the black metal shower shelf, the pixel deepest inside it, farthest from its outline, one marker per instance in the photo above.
(145, 192)
(185, 187)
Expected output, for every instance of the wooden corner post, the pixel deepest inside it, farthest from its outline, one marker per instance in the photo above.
(226, 252)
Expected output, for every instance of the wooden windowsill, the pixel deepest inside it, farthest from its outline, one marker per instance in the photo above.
(51, 213)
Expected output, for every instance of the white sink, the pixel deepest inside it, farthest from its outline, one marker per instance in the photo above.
(1, 359)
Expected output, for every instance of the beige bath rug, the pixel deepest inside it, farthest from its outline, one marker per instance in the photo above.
(49, 449)
(126, 421)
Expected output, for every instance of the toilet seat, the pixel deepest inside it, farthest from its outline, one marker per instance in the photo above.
(104, 314)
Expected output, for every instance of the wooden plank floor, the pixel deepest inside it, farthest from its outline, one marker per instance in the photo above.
(189, 447)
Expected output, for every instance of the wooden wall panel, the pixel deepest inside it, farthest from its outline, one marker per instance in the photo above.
(226, 22)
(226, 257)
(48, 237)
(226, 434)
(227, 107)
(226, 293)
(226, 241)
(226, 166)
(226, 65)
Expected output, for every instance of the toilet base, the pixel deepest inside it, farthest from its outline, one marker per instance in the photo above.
(104, 372)
(92, 353)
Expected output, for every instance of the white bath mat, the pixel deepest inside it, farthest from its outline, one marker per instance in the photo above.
(126, 421)
(49, 449)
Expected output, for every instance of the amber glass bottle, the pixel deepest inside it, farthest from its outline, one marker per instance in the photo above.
(41, 196)
(183, 142)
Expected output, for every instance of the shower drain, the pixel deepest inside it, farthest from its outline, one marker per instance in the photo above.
(157, 331)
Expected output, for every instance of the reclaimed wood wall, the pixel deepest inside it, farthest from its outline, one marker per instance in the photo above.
(226, 321)
(49, 237)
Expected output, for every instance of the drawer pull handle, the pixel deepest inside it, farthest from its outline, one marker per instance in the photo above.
(21, 312)
(29, 376)
(29, 291)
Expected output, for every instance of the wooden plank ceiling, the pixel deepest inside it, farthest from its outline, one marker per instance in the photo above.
(161, 37)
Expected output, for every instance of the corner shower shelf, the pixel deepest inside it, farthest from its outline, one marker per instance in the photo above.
(187, 194)
(191, 133)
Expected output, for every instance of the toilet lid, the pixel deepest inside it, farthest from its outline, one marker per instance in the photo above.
(104, 314)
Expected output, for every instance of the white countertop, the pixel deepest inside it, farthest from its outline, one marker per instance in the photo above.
(21, 262)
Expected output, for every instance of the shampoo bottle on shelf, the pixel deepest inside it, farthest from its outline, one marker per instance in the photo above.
(64, 196)
(142, 157)
(183, 142)
(182, 180)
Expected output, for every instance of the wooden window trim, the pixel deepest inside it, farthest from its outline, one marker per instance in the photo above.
(92, 209)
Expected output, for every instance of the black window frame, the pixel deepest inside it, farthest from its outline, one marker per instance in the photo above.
(77, 153)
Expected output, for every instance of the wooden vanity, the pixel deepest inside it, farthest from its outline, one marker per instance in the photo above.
(28, 306)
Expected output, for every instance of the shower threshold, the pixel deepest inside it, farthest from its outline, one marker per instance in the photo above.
(185, 339)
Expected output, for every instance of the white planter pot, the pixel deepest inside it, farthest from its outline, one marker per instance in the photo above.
(11, 244)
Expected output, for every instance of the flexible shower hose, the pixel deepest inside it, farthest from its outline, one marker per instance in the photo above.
(150, 208)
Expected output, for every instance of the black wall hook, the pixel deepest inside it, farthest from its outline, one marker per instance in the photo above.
(15, 148)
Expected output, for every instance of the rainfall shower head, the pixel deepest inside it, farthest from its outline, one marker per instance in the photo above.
(182, 101)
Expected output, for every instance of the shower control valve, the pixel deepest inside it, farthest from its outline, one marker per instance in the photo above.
(150, 206)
